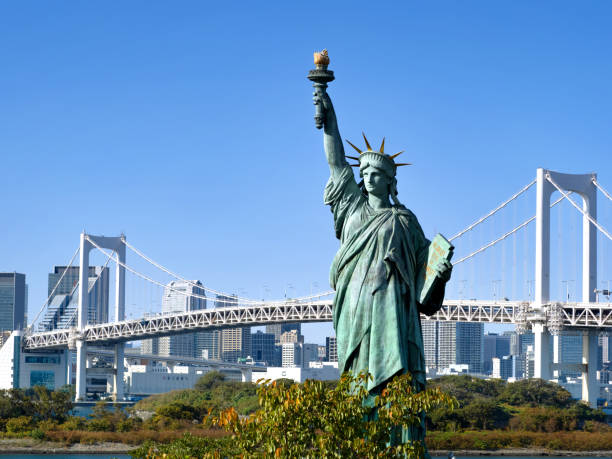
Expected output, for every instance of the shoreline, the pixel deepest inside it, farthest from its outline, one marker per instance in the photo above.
(31, 446)
(460, 453)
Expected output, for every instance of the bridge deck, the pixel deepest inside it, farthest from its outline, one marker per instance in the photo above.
(562, 315)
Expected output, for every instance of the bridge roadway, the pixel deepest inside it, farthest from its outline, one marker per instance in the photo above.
(573, 316)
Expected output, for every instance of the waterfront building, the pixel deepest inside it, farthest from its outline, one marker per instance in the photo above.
(13, 301)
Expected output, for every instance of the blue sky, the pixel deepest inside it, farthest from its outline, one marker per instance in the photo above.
(189, 127)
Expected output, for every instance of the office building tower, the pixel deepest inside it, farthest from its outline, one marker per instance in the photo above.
(494, 345)
(182, 296)
(290, 336)
(310, 353)
(235, 343)
(322, 353)
(504, 367)
(292, 355)
(263, 348)
(62, 309)
(278, 329)
(12, 301)
(429, 329)
(331, 349)
(570, 351)
(456, 343)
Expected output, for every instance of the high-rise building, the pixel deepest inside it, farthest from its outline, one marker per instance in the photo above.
(263, 348)
(310, 353)
(331, 349)
(278, 329)
(429, 330)
(494, 345)
(292, 355)
(453, 343)
(235, 343)
(181, 296)
(62, 309)
(12, 301)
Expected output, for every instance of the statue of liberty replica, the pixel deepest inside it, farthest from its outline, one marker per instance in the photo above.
(386, 272)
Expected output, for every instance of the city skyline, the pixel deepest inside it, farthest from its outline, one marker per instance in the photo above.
(133, 109)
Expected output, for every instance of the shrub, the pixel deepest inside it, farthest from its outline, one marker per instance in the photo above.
(21, 424)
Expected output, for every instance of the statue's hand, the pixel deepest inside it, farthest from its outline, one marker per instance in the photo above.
(444, 269)
(322, 100)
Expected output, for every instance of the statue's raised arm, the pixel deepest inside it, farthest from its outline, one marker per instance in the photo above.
(325, 116)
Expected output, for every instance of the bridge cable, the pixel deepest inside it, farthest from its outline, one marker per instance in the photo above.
(501, 238)
(601, 188)
(46, 303)
(239, 299)
(143, 276)
(89, 289)
(588, 216)
(494, 211)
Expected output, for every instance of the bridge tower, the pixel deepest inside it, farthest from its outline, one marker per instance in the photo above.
(583, 185)
(116, 244)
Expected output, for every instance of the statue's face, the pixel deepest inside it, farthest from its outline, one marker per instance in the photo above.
(376, 181)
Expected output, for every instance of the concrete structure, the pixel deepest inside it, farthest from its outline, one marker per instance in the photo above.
(583, 185)
(292, 355)
(331, 349)
(13, 301)
(115, 244)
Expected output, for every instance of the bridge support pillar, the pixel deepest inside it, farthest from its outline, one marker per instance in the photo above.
(556, 354)
(247, 375)
(118, 386)
(541, 352)
(81, 370)
(590, 386)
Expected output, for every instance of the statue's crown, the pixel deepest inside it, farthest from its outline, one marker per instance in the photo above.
(378, 159)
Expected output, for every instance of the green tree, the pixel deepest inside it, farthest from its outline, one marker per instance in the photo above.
(210, 380)
(536, 392)
(309, 420)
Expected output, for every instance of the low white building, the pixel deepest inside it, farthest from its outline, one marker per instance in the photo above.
(322, 371)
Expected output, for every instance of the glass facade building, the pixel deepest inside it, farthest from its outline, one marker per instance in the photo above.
(13, 301)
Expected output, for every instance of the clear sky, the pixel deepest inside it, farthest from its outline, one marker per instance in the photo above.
(189, 127)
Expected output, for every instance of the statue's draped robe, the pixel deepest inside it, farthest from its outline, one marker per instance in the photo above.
(374, 273)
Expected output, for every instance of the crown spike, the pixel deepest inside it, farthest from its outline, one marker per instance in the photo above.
(382, 146)
(403, 164)
(349, 142)
(397, 154)
(352, 157)
(366, 141)
(354, 165)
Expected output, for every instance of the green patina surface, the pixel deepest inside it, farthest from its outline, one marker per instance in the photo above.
(382, 256)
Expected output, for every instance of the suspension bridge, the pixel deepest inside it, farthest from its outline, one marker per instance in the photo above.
(546, 318)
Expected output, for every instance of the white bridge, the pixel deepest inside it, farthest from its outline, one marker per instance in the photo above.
(545, 318)
(577, 316)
